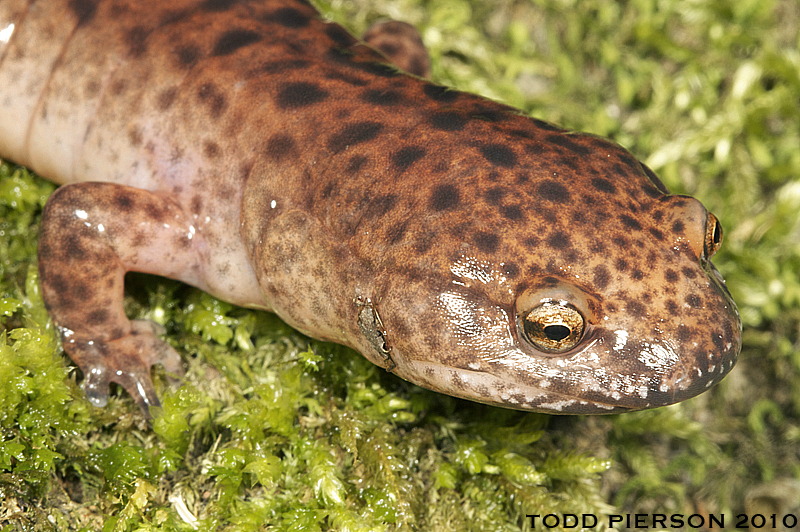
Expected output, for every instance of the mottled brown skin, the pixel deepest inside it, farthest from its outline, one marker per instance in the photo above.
(252, 150)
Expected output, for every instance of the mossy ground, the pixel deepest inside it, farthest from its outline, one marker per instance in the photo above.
(273, 431)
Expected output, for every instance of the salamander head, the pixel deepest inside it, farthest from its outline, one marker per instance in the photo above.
(581, 286)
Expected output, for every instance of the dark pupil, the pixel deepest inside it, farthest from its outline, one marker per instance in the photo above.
(716, 234)
(556, 332)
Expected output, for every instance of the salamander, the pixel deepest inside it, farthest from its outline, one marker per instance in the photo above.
(259, 153)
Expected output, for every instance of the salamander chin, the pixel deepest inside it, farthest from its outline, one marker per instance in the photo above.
(577, 384)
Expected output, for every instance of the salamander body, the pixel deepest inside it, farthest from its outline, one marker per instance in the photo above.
(252, 150)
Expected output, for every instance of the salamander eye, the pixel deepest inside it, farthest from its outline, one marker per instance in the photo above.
(553, 326)
(713, 239)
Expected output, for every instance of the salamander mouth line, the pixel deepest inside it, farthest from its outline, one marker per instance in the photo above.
(490, 389)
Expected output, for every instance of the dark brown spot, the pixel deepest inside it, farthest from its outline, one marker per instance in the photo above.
(395, 233)
(122, 202)
(495, 195)
(448, 121)
(424, 244)
(300, 94)
(512, 212)
(566, 142)
(499, 155)
(355, 164)
(166, 98)
(196, 205)
(289, 17)
(440, 93)
(118, 86)
(153, 211)
(637, 275)
(208, 94)
(135, 40)
(97, 317)
(135, 136)
(689, 273)
(601, 276)
(59, 283)
(170, 16)
(354, 134)
(280, 146)
(604, 185)
(678, 227)
(490, 115)
(620, 242)
(621, 265)
(407, 156)
(570, 162)
(84, 10)
(627, 160)
(657, 234)
(218, 5)
(211, 149)
(558, 240)
(630, 223)
(381, 205)
(327, 190)
(694, 301)
(445, 197)
(670, 276)
(73, 247)
(510, 270)
(486, 242)
(232, 40)
(636, 309)
(187, 56)
(553, 191)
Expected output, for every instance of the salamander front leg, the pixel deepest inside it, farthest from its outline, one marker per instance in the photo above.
(92, 234)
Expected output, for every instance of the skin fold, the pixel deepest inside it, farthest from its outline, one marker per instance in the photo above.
(254, 151)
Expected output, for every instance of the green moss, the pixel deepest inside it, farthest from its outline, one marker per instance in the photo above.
(271, 429)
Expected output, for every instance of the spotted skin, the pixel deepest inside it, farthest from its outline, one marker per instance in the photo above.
(252, 150)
